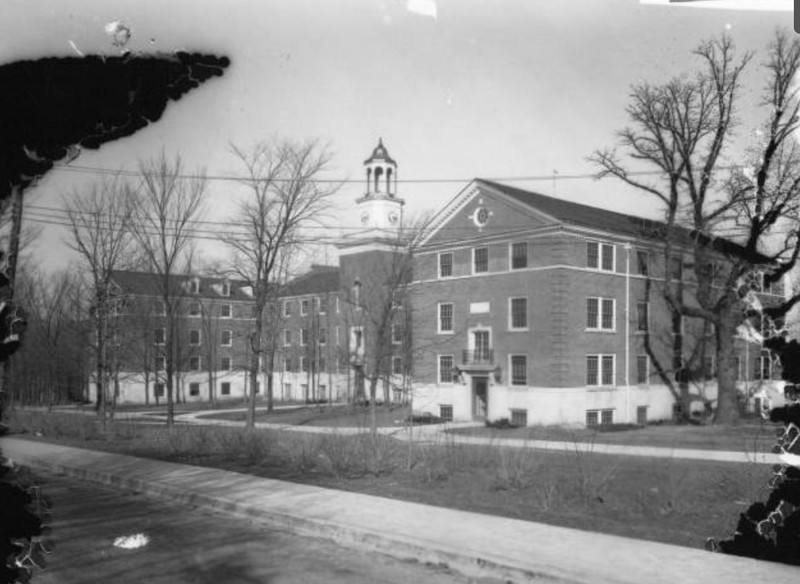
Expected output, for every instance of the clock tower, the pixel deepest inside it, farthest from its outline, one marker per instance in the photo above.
(379, 211)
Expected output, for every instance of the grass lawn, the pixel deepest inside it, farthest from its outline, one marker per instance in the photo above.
(338, 416)
(748, 436)
(672, 501)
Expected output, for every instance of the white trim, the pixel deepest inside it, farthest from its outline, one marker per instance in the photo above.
(199, 310)
(600, 369)
(222, 363)
(600, 255)
(394, 341)
(163, 337)
(439, 265)
(511, 245)
(199, 338)
(230, 310)
(510, 323)
(304, 333)
(230, 338)
(439, 369)
(287, 308)
(287, 337)
(307, 303)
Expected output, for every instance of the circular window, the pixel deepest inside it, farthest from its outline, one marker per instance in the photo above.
(481, 216)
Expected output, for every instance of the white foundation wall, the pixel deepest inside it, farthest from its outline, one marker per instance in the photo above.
(555, 406)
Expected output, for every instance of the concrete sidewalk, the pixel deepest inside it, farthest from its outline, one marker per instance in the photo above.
(470, 543)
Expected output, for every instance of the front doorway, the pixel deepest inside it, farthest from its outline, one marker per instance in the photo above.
(480, 397)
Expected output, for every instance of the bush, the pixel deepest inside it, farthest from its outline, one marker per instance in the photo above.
(424, 419)
(501, 424)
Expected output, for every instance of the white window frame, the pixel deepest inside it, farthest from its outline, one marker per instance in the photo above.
(230, 338)
(439, 329)
(304, 305)
(226, 288)
(194, 286)
(225, 388)
(194, 385)
(160, 363)
(474, 251)
(646, 369)
(439, 265)
(397, 359)
(303, 364)
(318, 301)
(304, 337)
(640, 330)
(600, 255)
(511, 370)
(511, 326)
(199, 337)
(222, 310)
(600, 303)
(511, 245)
(287, 308)
(198, 360)
(322, 336)
(198, 313)
(439, 369)
(287, 337)
(163, 340)
(222, 364)
(600, 369)
(395, 340)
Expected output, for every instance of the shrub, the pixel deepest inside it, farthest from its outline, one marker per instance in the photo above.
(501, 424)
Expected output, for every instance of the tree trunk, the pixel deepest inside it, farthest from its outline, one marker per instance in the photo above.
(270, 389)
(255, 343)
(727, 393)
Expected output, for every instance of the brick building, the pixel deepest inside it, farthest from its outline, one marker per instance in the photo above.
(536, 309)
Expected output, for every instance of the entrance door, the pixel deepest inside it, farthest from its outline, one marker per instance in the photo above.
(480, 397)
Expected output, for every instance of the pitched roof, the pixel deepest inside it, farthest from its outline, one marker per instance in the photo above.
(317, 280)
(605, 220)
(148, 284)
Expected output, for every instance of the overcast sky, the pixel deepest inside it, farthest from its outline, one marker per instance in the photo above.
(486, 88)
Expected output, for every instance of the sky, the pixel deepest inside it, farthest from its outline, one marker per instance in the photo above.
(457, 89)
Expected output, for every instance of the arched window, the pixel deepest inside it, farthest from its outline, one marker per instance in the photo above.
(369, 178)
(356, 296)
(378, 175)
(389, 181)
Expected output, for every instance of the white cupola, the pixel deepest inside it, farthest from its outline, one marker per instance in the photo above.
(380, 208)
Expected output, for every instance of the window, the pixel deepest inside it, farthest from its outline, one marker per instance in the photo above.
(158, 390)
(397, 365)
(322, 364)
(708, 366)
(322, 304)
(226, 288)
(194, 309)
(287, 389)
(161, 309)
(194, 286)
(519, 255)
(194, 389)
(600, 256)
(519, 418)
(194, 337)
(288, 366)
(225, 388)
(225, 364)
(304, 364)
(641, 415)
(159, 336)
(304, 336)
(322, 335)
(738, 371)
(445, 317)
(676, 268)
(303, 307)
(480, 260)
(596, 417)
(642, 263)
(600, 370)
(356, 294)
(642, 316)
(194, 363)
(287, 337)
(519, 369)
(287, 308)
(518, 314)
(161, 363)
(225, 311)
(397, 334)
(642, 369)
(445, 265)
(445, 369)
(226, 338)
(446, 412)
(600, 314)
(763, 369)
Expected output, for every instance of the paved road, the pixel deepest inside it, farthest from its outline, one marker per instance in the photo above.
(187, 545)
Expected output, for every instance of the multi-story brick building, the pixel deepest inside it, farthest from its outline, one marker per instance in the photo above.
(212, 327)
(536, 309)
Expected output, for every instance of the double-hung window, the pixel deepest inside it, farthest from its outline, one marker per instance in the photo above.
(518, 313)
(600, 256)
(445, 369)
(446, 317)
(600, 314)
(480, 260)
(600, 370)
(519, 369)
(519, 255)
(445, 265)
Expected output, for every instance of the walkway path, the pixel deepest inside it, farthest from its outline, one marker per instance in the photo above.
(474, 544)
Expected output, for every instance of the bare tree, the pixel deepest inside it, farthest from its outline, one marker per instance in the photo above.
(100, 226)
(683, 129)
(286, 196)
(162, 224)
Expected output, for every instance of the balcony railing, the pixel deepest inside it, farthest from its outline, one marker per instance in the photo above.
(480, 357)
